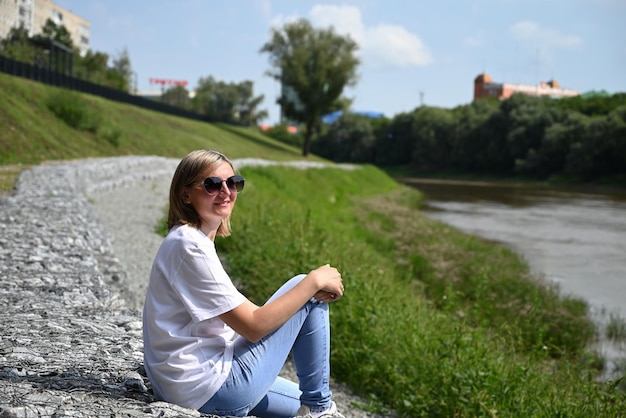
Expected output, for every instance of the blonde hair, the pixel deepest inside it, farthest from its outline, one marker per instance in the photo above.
(188, 173)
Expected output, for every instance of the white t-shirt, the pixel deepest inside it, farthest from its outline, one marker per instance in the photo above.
(188, 349)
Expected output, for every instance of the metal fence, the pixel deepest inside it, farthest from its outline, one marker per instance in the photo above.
(53, 78)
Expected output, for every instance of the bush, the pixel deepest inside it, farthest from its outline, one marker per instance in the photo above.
(111, 134)
(280, 133)
(72, 109)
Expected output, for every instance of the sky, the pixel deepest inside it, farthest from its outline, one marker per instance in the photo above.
(412, 52)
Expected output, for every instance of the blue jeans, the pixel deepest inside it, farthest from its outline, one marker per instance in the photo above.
(253, 386)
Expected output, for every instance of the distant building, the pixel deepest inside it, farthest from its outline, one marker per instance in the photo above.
(484, 86)
(289, 128)
(33, 14)
(156, 94)
(149, 94)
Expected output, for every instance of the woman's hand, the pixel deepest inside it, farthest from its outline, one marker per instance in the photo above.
(326, 297)
(329, 282)
(254, 322)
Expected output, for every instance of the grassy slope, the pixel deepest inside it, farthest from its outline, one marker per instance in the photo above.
(423, 325)
(30, 133)
(434, 322)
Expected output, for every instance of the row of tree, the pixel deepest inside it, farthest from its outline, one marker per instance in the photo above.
(56, 40)
(217, 100)
(313, 67)
(582, 137)
(536, 137)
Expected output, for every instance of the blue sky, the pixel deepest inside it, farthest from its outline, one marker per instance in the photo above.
(411, 51)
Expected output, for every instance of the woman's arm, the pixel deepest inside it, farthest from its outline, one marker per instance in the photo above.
(254, 322)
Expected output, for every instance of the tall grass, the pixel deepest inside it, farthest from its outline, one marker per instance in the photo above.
(433, 323)
(616, 328)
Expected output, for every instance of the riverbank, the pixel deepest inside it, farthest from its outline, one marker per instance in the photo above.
(573, 237)
(72, 275)
(575, 187)
(71, 343)
(568, 235)
(458, 320)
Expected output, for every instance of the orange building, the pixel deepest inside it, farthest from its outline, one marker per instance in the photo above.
(484, 86)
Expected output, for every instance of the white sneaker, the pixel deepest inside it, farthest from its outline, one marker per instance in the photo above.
(305, 412)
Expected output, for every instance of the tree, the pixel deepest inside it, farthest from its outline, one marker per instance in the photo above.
(17, 45)
(472, 146)
(121, 64)
(92, 66)
(231, 102)
(52, 48)
(57, 33)
(593, 103)
(177, 96)
(313, 67)
(550, 158)
(350, 138)
(394, 141)
(56, 48)
(246, 104)
(433, 130)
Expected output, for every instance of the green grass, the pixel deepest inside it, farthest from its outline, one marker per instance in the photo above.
(434, 322)
(42, 123)
(616, 328)
(39, 123)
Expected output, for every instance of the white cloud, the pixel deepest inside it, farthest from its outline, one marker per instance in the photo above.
(548, 37)
(346, 20)
(381, 46)
(280, 20)
(392, 45)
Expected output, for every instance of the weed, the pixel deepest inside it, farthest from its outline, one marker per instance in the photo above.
(73, 110)
(616, 328)
(110, 134)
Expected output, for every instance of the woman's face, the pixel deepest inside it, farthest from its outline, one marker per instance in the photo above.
(213, 208)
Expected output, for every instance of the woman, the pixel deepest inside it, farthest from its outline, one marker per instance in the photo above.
(206, 346)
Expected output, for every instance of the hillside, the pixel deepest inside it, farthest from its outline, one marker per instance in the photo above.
(35, 126)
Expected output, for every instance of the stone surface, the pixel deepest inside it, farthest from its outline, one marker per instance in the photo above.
(76, 244)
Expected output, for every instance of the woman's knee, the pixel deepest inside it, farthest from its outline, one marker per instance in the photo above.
(289, 284)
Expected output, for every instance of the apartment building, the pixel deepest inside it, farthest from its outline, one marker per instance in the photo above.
(484, 86)
(33, 14)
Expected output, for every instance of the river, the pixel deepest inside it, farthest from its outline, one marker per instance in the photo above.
(574, 238)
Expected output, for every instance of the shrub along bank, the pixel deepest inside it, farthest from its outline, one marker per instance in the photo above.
(433, 322)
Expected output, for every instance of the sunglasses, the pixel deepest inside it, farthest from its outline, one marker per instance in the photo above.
(213, 185)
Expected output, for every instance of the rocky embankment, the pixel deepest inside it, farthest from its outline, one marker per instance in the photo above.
(76, 244)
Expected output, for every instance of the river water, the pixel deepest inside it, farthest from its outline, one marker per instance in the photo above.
(574, 238)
